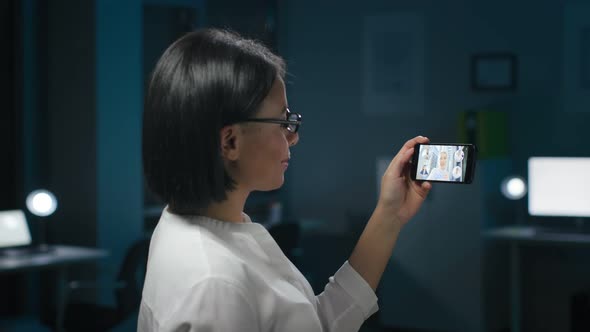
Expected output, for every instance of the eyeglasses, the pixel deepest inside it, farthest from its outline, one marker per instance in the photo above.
(292, 122)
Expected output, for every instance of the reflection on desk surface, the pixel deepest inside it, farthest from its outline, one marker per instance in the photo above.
(56, 255)
(538, 234)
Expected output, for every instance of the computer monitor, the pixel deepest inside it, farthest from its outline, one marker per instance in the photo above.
(559, 187)
(14, 230)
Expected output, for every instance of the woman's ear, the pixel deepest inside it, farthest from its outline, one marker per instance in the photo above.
(230, 139)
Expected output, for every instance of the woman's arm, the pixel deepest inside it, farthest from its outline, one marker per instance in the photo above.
(375, 246)
(399, 200)
(347, 301)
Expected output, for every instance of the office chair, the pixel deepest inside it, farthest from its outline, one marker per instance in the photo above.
(127, 288)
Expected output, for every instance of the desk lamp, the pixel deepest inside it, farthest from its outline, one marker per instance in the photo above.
(514, 188)
(42, 203)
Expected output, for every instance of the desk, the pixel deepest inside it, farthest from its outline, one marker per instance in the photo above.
(517, 236)
(59, 258)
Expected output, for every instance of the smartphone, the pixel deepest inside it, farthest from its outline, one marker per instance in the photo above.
(442, 162)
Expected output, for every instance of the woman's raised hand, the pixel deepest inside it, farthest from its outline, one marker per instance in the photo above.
(399, 194)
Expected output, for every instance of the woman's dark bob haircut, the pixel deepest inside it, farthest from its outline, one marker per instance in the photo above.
(204, 81)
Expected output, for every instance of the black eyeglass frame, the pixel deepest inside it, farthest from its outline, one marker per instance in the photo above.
(286, 123)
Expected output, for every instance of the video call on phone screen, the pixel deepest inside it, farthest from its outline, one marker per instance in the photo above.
(442, 163)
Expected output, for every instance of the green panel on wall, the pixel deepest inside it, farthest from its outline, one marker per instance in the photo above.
(488, 130)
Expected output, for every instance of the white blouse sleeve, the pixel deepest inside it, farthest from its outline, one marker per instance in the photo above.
(346, 302)
(214, 305)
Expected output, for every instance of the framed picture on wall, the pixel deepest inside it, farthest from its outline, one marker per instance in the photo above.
(393, 63)
(493, 72)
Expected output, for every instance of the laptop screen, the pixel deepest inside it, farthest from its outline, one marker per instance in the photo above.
(14, 230)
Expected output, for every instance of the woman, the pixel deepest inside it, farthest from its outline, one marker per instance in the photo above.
(440, 173)
(216, 127)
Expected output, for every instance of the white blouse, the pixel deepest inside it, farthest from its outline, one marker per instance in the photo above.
(209, 275)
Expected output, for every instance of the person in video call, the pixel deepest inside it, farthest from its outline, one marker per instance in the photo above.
(440, 172)
(424, 171)
(216, 127)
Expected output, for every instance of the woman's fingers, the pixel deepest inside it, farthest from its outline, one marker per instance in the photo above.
(412, 142)
(421, 188)
(405, 153)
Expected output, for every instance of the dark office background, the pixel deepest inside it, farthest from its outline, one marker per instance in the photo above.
(74, 74)
(9, 94)
(9, 133)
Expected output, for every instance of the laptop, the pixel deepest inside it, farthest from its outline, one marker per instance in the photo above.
(14, 231)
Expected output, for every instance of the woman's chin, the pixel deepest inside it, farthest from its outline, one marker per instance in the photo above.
(274, 185)
(279, 183)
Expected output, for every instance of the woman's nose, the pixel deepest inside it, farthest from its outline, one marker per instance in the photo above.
(292, 138)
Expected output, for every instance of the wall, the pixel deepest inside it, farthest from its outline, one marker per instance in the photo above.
(324, 55)
(438, 259)
(9, 140)
(86, 126)
(67, 104)
(119, 105)
(322, 45)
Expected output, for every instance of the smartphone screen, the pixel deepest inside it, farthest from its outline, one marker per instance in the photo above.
(453, 163)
